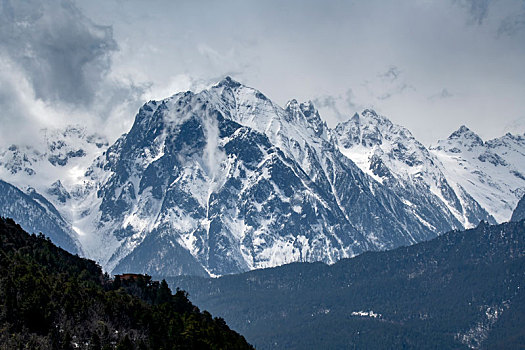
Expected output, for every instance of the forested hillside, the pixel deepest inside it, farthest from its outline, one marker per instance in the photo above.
(460, 290)
(50, 299)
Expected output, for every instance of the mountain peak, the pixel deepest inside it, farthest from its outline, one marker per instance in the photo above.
(465, 133)
(309, 109)
(227, 81)
(305, 111)
(369, 111)
(292, 104)
(355, 117)
(463, 129)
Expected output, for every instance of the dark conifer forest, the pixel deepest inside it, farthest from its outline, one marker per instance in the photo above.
(51, 299)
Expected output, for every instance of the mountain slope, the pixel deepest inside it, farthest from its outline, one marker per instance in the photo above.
(519, 213)
(54, 300)
(491, 172)
(47, 172)
(460, 290)
(38, 215)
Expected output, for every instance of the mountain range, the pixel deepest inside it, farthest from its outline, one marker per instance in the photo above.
(224, 180)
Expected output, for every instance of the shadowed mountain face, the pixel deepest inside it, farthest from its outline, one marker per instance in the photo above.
(37, 214)
(225, 181)
(460, 290)
(519, 212)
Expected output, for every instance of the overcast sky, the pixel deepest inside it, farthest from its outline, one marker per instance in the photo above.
(428, 65)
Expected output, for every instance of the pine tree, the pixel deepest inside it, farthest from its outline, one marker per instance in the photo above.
(163, 293)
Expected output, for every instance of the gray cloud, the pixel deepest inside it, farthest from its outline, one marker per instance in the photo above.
(350, 99)
(392, 82)
(16, 107)
(63, 53)
(337, 108)
(330, 103)
(396, 90)
(509, 16)
(391, 74)
(516, 126)
(384, 96)
(477, 9)
(441, 95)
(56, 69)
(512, 24)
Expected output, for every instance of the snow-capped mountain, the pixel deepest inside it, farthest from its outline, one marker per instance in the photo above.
(53, 165)
(225, 180)
(492, 172)
(391, 155)
(59, 158)
(38, 174)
